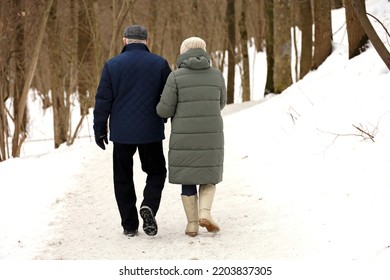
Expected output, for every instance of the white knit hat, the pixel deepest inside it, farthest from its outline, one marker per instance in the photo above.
(192, 43)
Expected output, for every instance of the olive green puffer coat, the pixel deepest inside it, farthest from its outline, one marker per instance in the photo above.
(193, 97)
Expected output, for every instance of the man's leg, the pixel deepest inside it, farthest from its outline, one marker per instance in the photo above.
(153, 164)
(124, 185)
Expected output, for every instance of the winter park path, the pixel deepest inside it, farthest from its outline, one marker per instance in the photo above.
(88, 226)
(265, 206)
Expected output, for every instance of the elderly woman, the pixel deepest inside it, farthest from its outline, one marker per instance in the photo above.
(193, 98)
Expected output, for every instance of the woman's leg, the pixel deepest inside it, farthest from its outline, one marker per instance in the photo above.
(189, 197)
(188, 190)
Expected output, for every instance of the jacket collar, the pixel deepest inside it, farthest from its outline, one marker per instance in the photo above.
(135, 46)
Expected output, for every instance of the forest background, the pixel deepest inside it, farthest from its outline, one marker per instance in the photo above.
(58, 48)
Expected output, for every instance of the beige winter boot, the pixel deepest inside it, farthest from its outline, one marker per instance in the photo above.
(190, 204)
(206, 197)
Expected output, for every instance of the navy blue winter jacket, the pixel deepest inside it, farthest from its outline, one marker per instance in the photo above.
(128, 93)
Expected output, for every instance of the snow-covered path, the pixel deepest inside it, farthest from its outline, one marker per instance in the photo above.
(252, 227)
(285, 196)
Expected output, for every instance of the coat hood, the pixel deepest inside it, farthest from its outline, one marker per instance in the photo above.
(194, 59)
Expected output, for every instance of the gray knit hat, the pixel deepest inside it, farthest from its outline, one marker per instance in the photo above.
(136, 32)
(192, 43)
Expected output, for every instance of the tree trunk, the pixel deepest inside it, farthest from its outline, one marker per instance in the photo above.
(84, 42)
(20, 79)
(60, 123)
(118, 15)
(337, 4)
(3, 125)
(269, 39)
(71, 82)
(8, 19)
(98, 58)
(359, 8)
(230, 17)
(194, 18)
(306, 25)
(175, 28)
(282, 45)
(86, 55)
(152, 30)
(322, 33)
(245, 78)
(19, 136)
(357, 37)
(294, 38)
(261, 23)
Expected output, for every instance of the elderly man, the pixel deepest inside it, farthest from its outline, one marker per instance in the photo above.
(130, 87)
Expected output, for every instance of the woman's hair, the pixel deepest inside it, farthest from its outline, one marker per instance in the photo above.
(192, 43)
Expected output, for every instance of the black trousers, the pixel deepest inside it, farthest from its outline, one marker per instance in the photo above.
(153, 164)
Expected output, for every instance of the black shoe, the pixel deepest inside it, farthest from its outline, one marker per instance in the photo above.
(150, 225)
(131, 232)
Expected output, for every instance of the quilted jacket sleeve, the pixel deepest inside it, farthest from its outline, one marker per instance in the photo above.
(103, 103)
(166, 108)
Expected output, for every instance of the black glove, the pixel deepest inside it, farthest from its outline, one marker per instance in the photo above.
(100, 140)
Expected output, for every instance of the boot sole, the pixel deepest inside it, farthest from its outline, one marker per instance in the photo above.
(192, 234)
(208, 225)
(150, 225)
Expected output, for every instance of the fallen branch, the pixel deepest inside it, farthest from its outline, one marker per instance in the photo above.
(294, 115)
(364, 133)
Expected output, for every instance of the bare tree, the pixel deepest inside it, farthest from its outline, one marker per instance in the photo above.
(360, 10)
(357, 37)
(86, 53)
(337, 4)
(60, 123)
(7, 20)
(322, 32)
(4, 149)
(72, 59)
(213, 27)
(282, 45)
(120, 9)
(257, 15)
(269, 38)
(231, 39)
(194, 18)
(245, 77)
(155, 9)
(305, 23)
(19, 133)
(19, 60)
